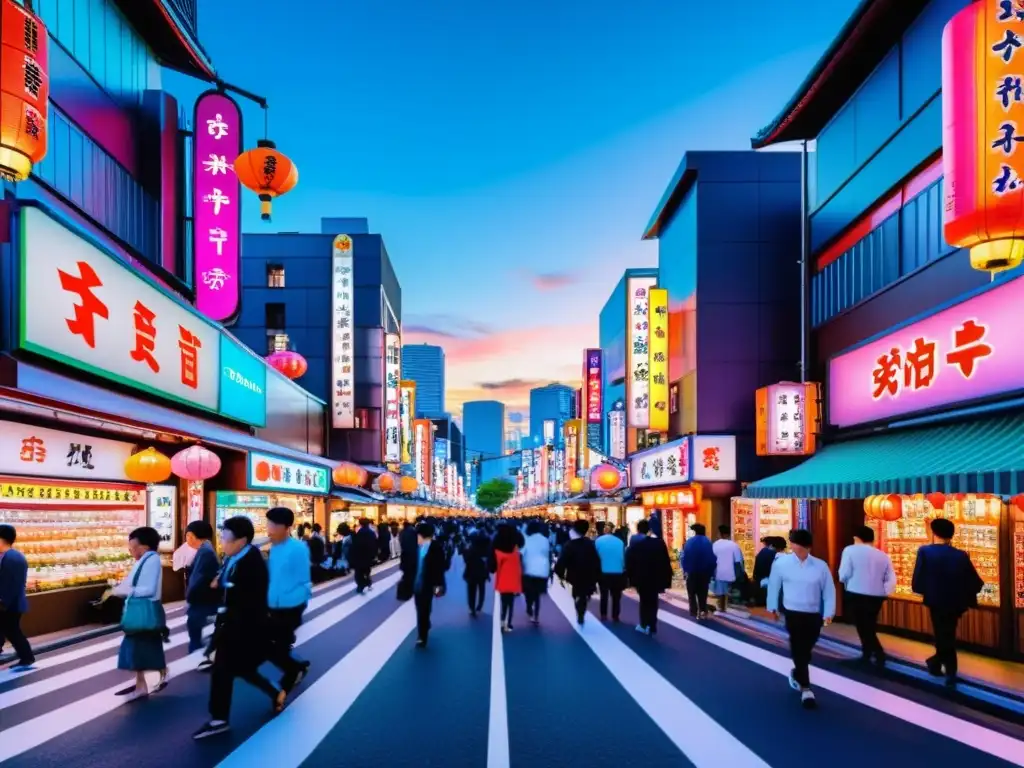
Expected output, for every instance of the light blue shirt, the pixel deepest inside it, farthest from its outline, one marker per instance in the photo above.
(424, 548)
(290, 581)
(612, 552)
(806, 586)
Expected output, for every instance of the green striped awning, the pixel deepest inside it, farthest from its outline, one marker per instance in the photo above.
(983, 456)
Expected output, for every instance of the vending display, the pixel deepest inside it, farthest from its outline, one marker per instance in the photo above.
(252, 505)
(742, 519)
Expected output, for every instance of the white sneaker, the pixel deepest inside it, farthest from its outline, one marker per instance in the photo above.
(807, 699)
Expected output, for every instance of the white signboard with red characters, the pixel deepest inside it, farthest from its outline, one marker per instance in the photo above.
(86, 309)
(714, 458)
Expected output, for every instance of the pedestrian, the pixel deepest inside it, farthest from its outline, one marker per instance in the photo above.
(476, 554)
(536, 568)
(396, 550)
(200, 596)
(428, 580)
(729, 566)
(363, 555)
(580, 565)
(13, 601)
(316, 551)
(763, 567)
(243, 628)
(288, 595)
(654, 522)
(384, 543)
(949, 584)
(868, 577)
(622, 532)
(143, 620)
(809, 597)
(508, 571)
(638, 536)
(699, 564)
(649, 568)
(612, 553)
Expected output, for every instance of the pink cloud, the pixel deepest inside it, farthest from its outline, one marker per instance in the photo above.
(506, 343)
(553, 281)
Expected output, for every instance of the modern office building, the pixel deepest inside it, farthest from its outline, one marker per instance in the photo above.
(288, 304)
(424, 364)
(447, 430)
(483, 423)
(553, 402)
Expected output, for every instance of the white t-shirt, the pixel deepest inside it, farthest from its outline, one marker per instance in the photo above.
(728, 553)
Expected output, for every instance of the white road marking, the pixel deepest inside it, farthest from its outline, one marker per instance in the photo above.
(697, 735)
(39, 730)
(497, 729)
(291, 737)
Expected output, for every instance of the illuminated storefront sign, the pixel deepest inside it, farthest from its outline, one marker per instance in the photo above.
(424, 439)
(407, 406)
(592, 385)
(617, 432)
(392, 377)
(243, 383)
(657, 318)
(968, 351)
(276, 474)
(682, 498)
(342, 346)
(572, 440)
(43, 493)
(217, 206)
(714, 458)
(667, 464)
(37, 451)
(638, 352)
(787, 419)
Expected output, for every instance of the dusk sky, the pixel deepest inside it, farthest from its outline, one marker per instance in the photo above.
(510, 156)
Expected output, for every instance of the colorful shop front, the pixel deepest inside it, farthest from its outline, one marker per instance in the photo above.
(106, 377)
(927, 421)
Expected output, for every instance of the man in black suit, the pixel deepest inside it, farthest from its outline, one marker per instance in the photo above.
(946, 579)
(13, 603)
(428, 580)
(649, 569)
(580, 565)
(363, 555)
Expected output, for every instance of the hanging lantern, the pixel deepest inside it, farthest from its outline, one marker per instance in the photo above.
(386, 482)
(408, 484)
(873, 507)
(867, 506)
(937, 500)
(24, 91)
(891, 507)
(606, 476)
(576, 485)
(349, 474)
(195, 463)
(291, 364)
(267, 172)
(148, 466)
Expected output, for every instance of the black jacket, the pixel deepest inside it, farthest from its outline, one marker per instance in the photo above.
(364, 549)
(384, 543)
(648, 565)
(580, 565)
(317, 550)
(434, 567)
(763, 562)
(203, 570)
(476, 554)
(242, 626)
(408, 545)
(946, 578)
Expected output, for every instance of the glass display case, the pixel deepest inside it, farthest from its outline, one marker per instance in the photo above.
(742, 524)
(229, 504)
(774, 518)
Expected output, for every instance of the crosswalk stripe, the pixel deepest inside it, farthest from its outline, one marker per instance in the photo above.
(696, 734)
(973, 735)
(497, 731)
(30, 734)
(291, 737)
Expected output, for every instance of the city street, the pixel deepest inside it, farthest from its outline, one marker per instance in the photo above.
(600, 695)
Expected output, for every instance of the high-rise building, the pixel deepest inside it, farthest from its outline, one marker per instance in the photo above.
(424, 364)
(554, 402)
(483, 422)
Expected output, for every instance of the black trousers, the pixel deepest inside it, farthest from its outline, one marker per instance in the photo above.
(424, 605)
(363, 578)
(864, 611)
(475, 595)
(648, 608)
(533, 588)
(804, 631)
(611, 586)
(283, 623)
(10, 629)
(944, 624)
(508, 603)
(697, 586)
(222, 686)
(581, 607)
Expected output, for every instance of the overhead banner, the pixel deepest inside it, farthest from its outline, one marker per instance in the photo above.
(657, 320)
(343, 410)
(407, 410)
(638, 411)
(592, 385)
(392, 417)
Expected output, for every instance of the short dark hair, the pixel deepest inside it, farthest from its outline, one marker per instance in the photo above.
(642, 526)
(699, 529)
(8, 534)
(533, 527)
(724, 530)
(146, 536)
(801, 537)
(778, 543)
(200, 529)
(240, 527)
(600, 525)
(865, 533)
(281, 516)
(317, 528)
(426, 530)
(581, 527)
(943, 528)
(364, 522)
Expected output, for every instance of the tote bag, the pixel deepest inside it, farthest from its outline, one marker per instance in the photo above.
(140, 613)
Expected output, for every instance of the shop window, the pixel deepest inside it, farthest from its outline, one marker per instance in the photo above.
(277, 342)
(365, 418)
(275, 319)
(275, 276)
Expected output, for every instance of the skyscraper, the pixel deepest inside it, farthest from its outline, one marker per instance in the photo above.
(424, 364)
(483, 423)
(551, 403)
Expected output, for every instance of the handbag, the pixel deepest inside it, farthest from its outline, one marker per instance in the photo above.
(405, 589)
(141, 614)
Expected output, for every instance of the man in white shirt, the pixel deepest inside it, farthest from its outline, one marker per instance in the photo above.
(728, 553)
(866, 573)
(809, 599)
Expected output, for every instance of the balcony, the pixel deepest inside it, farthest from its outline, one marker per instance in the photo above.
(170, 27)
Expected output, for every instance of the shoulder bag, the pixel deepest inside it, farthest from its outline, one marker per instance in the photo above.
(141, 614)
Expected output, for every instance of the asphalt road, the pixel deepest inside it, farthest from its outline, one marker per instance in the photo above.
(548, 695)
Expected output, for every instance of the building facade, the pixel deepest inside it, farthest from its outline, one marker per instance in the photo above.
(483, 423)
(424, 364)
(553, 402)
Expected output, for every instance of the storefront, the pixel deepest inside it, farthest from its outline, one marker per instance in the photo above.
(350, 505)
(752, 520)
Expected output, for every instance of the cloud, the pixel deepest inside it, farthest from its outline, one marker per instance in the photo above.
(554, 281)
(512, 384)
(444, 326)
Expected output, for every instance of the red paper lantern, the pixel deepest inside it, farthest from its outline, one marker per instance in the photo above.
(606, 476)
(937, 500)
(1018, 501)
(291, 364)
(24, 91)
(891, 507)
(349, 474)
(195, 463)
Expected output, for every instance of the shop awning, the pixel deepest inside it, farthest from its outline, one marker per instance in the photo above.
(983, 456)
(356, 496)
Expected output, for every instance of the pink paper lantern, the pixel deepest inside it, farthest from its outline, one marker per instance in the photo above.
(195, 463)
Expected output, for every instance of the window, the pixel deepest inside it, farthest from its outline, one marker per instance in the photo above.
(277, 342)
(275, 318)
(275, 276)
(364, 418)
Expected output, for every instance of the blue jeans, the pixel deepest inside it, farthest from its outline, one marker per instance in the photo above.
(196, 618)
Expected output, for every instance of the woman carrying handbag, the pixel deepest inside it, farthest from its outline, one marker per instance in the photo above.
(143, 621)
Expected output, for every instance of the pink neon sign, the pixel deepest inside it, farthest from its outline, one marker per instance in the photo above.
(217, 206)
(968, 351)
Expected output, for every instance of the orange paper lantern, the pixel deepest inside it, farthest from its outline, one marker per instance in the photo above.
(289, 363)
(386, 482)
(349, 474)
(937, 500)
(607, 477)
(148, 466)
(1018, 501)
(867, 507)
(267, 172)
(24, 90)
(408, 484)
(576, 485)
(891, 507)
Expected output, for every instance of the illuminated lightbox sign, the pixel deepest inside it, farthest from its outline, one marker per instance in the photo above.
(343, 415)
(638, 394)
(392, 415)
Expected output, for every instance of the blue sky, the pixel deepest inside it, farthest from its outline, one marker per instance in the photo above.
(510, 153)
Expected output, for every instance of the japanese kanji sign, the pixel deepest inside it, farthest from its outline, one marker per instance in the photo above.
(968, 351)
(37, 451)
(638, 409)
(592, 385)
(407, 409)
(657, 320)
(392, 382)
(422, 447)
(787, 419)
(617, 432)
(343, 414)
(16, 490)
(217, 206)
(667, 464)
(87, 309)
(276, 474)
(714, 458)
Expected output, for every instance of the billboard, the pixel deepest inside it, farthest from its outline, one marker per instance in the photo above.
(423, 444)
(392, 408)
(343, 412)
(592, 385)
(657, 321)
(406, 411)
(638, 352)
